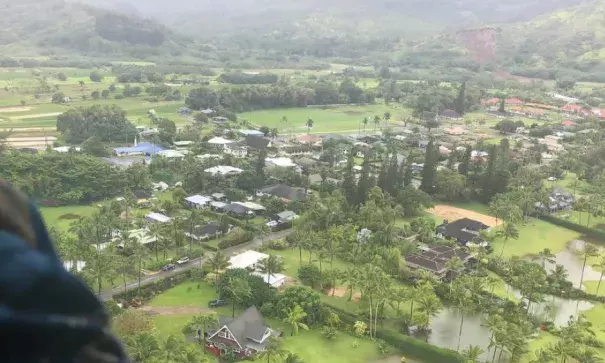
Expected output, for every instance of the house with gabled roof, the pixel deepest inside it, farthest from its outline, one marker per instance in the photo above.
(245, 335)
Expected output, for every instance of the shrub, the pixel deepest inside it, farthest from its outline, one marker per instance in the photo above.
(418, 348)
(587, 231)
(329, 332)
(236, 238)
(278, 245)
(309, 275)
(148, 291)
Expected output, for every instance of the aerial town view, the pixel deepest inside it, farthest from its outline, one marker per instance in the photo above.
(302, 181)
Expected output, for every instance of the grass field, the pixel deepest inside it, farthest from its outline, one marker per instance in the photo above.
(53, 215)
(345, 118)
(292, 262)
(310, 345)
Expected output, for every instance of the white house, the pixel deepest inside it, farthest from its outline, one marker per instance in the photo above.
(64, 149)
(219, 141)
(157, 218)
(237, 151)
(198, 201)
(249, 259)
(256, 208)
(172, 154)
(141, 236)
(275, 280)
(281, 162)
(223, 170)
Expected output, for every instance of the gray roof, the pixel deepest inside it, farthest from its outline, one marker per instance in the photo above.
(257, 142)
(285, 191)
(285, 215)
(249, 325)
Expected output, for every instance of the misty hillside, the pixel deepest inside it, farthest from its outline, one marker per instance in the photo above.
(52, 26)
(334, 17)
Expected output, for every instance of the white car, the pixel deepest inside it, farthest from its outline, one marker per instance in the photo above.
(183, 261)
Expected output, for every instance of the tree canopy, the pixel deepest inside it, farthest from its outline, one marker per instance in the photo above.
(108, 123)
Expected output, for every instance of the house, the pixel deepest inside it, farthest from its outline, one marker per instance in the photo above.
(160, 186)
(206, 232)
(236, 150)
(251, 133)
(141, 236)
(64, 149)
(183, 144)
(513, 102)
(572, 108)
(316, 179)
(219, 141)
(257, 142)
(235, 209)
(463, 230)
(279, 162)
(285, 216)
(423, 144)
(252, 207)
(207, 111)
(275, 280)
(435, 259)
(558, 200)
(225, 170)
(308, 139)
(143, 148)
(285, 192)
(450, 114)
(306, 162)
(220, 120)
(568, 123)
(296, 150)
(218, 205)
(172, 154)
(183, 111)
(198, 201)
(157, 218)
(455, 131)
(245, 335)
(247, 260)
(219, 197)
(491, 101)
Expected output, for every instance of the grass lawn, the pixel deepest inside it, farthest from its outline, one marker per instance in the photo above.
(56, 216)
(500, 289)
(583, 219)
(345, 118)
(544, 340)
(185, 294)
(312, 347)
(582, 188)
(534, 236)
(292, 261)
(171, 324)
(596, 316)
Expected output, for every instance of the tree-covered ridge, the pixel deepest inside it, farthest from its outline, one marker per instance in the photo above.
(105, 122)
(55, 24)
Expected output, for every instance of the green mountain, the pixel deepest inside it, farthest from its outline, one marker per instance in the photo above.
(54, 27)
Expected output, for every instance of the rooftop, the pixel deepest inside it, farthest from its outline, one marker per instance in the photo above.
(246, 259)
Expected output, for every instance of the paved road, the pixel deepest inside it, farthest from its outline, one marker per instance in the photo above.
(107, 294)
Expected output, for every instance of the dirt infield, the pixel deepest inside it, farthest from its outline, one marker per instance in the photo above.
(452, 213)
(15, 109)
(340, 292)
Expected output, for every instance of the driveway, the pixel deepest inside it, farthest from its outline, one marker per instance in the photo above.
(197, 262)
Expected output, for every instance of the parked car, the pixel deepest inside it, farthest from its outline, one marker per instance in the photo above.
(183, 261)
(169, 267)
(217, 303)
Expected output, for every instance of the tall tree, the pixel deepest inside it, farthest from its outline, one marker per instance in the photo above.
(274, 351)
(348, 185)
(508, 231)
(309, 125)
(589, 251)
(465, 164)
(218, 262)
(364, 184)
(271, 266)
(460, 104)
(602, 267)
(430, 168)
(294, 317)
(238, 289)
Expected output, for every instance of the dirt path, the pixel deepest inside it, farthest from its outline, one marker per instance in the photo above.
(177, 310)
(36, 115)
(15, 109)
(341, 292)
(452, 213)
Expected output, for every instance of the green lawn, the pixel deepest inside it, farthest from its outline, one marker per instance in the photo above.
(344, 118)
(185, 294)
(166, 325)
(56, 216)
(582, 188)
(292, 262)
(544, 340)
(500, 289)
(534, 236)
(583, 219)
(596, 316)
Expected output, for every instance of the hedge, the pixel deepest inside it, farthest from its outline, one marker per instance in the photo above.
(154, 288)
(408, 345)
(587, 231)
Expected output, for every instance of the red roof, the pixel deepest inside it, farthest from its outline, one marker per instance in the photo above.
(568, 123)
(513, 101)
(308, 139)
(572, 107)
(491, 101)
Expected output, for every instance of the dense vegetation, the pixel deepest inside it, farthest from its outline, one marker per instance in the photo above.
(105, 122)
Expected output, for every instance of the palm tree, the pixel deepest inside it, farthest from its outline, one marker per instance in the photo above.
(492, 322)
(365, 122)
(560, 350)
(142, 346)
(203, 323)
(273, 351)
(544, 256)
(293, 358)
(559, 273)
(218, 262)
(140, 252)
(455, 267)
(352, 278)
(460, 295)
(430, 305)
(387, 116)
(542, 356)
(273, 133)
(239, 289)
(155, 230)
(427, 277)
(472, 353)
(508, 231)
(195, 216)
(309, 125)
(294, 317)
(377, 120)
(589, 251)
(602, 267)
(270, 266)
(332, 276)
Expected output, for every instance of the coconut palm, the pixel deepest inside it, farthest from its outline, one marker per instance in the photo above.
(351, 278)
(142, 346)
(427, 277)
(508, 231)
(203, 323)
(387, 116)
(543, 356)
(140, 253)
(218, 262)
(602, 267)
(274, 351)
(238, 289)
(294, 317)
(544, 256)
(472, 353)
(377, 120)
(493, 323)
(309, 125)
(430, 305)
(365, 122)
(455, 267)
(560, 350)
(460, 295)
(589, 251)
(293, 358)
(332, 276)
(270, 266)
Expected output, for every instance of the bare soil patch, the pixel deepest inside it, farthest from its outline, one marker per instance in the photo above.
(341, 292)
(452, 213)
(69, 216)
(180, 310)
(15, 109)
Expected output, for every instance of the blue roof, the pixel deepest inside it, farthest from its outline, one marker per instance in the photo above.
(251, 132)
(144, 148)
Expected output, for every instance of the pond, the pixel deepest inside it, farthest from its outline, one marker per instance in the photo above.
(573, 264)
(445, 326)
